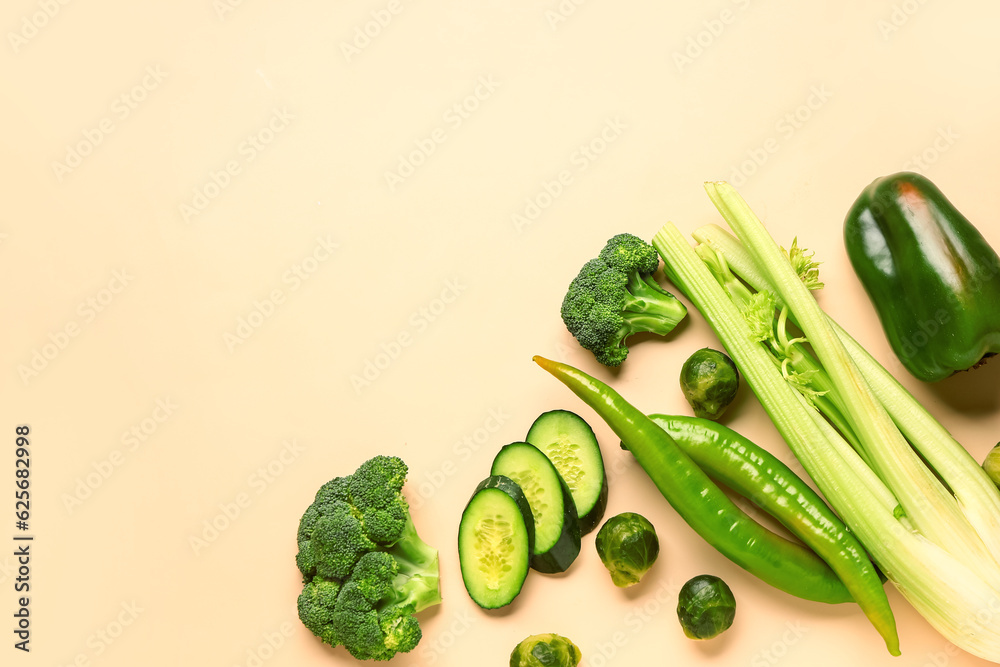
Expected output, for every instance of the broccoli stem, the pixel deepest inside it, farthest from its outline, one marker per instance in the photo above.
(649, 308)
(418, 580)
(634, 323)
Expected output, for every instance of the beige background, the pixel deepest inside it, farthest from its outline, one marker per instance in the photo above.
(215, 299)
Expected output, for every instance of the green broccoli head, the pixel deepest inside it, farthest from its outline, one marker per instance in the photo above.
(593, 311)
(366, 571)
(400, 628)
(374, 575)
(615, 295)
(316, 604)
(331, 541)
(628, 253)
(355, 624)
(373, 616)
(378, 483)
(351, 516)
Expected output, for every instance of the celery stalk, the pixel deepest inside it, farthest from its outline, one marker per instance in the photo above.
(928, 504)
(781, 401)
(977, 496)
(932, 553)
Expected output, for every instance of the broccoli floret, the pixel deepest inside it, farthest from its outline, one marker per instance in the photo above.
(615, 295)
(378, 483)
(376, 490)
(401, 630)
(366, 572)
(316, 604)
(627, 253)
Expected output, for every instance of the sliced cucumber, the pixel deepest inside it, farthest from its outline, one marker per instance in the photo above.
(557, 527)
(571, 445)
(495, 540)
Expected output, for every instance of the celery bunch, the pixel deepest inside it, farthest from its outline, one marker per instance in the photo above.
(920, 504)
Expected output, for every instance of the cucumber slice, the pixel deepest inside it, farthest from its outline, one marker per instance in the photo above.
(557, 527)
(495, 539)
(571, 445)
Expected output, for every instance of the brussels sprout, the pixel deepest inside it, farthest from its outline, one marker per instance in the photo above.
(991, 464)
(545, 650)
(705, 607)
(709, 380)
(628, 547)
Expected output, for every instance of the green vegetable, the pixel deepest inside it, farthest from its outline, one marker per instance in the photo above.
(932, 277)
(709, 380)
(546, 650)
(923, 508)
(756, 474)
(571, 445)
(628, 547)
(495, 541)
(706, 607)
(784, 564)
(615, 295)
(991, 464)
(365, 570)
(557, 527)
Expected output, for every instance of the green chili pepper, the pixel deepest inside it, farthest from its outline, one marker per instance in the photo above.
(756, 474)
(930, 274)
(779, 562)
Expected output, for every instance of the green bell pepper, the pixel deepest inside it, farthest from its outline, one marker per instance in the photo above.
(930, 274)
